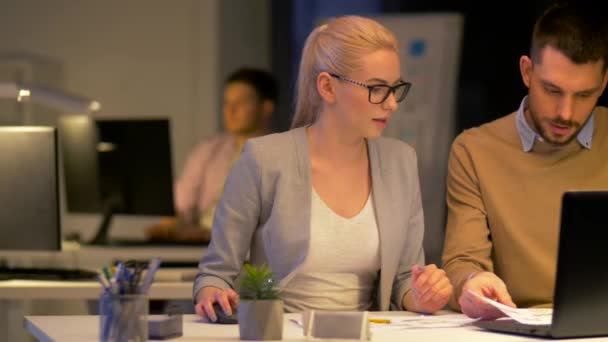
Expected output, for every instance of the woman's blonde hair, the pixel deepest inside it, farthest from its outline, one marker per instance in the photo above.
(337, 47)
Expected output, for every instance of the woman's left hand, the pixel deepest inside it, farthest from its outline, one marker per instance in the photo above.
(431, 289)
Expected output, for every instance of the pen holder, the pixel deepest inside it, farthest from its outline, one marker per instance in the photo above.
(123, 317)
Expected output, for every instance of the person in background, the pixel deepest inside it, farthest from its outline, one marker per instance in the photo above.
(250, 96)
(506, 178)
(333, 208)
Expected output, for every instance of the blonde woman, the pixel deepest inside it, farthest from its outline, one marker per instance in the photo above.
(333, 208)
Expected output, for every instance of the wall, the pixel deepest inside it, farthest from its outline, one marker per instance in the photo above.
(143, 58)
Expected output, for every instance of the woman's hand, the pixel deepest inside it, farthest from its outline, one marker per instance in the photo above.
(431, 289)
(227, 299)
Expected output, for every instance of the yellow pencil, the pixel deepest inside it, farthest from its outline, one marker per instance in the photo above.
(379, 320)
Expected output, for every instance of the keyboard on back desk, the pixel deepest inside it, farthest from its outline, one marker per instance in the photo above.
(27, 273)
(155, 243)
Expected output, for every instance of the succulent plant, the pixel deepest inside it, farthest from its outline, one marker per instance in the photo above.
(257, 283)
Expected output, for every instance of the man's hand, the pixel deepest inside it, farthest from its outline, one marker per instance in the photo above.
(227, 298)
(488, 285)
(431, 289)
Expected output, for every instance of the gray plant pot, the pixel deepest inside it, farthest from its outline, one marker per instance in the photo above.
(260, 319)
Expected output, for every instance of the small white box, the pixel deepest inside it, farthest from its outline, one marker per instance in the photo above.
(336, 325)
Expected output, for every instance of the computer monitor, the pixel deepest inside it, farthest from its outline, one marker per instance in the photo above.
(116, 167)
(29, 214)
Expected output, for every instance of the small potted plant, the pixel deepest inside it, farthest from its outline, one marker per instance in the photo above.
(260, 309)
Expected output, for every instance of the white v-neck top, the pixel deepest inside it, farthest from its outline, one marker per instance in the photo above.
(342, 264)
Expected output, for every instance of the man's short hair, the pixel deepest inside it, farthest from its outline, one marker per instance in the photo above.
(262, 81)
(577, 29)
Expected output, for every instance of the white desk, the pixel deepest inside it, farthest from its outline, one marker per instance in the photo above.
(75, 255)
(35, 289)
(95, 256)
(85, 328)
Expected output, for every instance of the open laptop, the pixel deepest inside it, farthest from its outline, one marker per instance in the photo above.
(580, 300)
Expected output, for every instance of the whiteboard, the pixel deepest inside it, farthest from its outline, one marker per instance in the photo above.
(430, 58)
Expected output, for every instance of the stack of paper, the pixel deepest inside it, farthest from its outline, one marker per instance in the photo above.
(533, 316)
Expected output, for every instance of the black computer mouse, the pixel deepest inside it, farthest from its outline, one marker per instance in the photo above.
(222, 318)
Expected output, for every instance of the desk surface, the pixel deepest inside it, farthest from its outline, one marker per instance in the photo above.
(85, 328)
(95, 257)
(38, 289)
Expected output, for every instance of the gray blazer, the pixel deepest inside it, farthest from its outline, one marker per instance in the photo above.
(265, 211)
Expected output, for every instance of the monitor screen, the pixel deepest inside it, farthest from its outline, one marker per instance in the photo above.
(117, 166)
(29, 214)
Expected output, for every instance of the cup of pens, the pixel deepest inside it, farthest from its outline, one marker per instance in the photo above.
(123, 317)
(123, 305)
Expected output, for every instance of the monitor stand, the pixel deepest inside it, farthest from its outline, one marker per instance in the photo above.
(101, 238)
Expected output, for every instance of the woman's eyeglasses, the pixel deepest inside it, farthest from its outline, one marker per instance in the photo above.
(378, 93)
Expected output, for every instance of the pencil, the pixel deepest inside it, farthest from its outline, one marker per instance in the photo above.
(379, 320)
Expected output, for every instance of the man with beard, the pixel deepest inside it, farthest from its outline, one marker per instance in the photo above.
(506, 178)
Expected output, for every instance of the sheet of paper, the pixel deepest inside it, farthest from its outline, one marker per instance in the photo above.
(412, 322)
(420, 322)
(535, 316)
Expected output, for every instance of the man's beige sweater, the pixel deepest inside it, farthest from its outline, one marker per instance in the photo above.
(504, 204)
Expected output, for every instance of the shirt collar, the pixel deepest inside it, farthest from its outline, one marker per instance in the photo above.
(528, 136)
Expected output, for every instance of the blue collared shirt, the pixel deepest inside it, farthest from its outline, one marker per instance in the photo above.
(528, 136)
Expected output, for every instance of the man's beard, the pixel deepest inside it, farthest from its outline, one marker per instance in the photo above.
(564, 123)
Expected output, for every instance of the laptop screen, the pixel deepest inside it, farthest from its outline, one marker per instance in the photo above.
(581, 283)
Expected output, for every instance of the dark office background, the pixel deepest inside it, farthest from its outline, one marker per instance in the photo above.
(496, 34)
